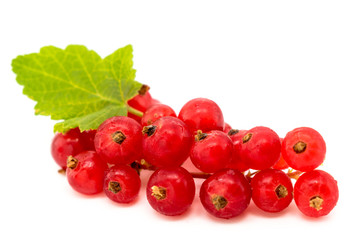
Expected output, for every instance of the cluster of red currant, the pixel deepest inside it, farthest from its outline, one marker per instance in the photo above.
(110, 158)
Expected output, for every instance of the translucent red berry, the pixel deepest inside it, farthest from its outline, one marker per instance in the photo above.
(260, 148)
(202, 114)
(64, 145)
(303, 149)
(122, 184)
(272, 190)
(316, 193)
(87, 139)
(171, 190)
(85, 172)
(166, 142)
(140, 102)
(118, 140)
(236, 161)
(155, 112)
(226, 194)
(211, 151)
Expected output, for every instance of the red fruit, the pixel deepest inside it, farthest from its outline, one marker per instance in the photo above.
(260, 148)
(303, 149)
(122, 184)
(166, 142)
(202, 114)
(211, 151)
(155, 112)
(87, 139)
(118, 140)
(281, 164)
(226, 194)
(227, 128)
(236, 161)
(64, 145)
(85, 172)
(140, 102)
(316, 193)
(272, 190)
(171, 190)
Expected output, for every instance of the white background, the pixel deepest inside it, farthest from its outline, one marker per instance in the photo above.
(281, 64)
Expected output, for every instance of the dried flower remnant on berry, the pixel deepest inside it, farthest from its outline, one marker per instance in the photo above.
(316, 202)
(219, 202)
(114, 187)
(299, 147)
(118, 137)
(247, 137)
(149, 130)
(72, 162)
(281, 191)
(158, 192)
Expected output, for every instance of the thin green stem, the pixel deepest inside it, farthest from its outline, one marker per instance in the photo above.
(134, 111)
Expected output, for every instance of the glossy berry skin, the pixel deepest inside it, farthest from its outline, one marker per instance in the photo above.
(64, 145)
(226, 194)
(155, 112)
(272, 190)
(236, 161)
(260, 148)
(211, 151)
(171, 190)
(303, 149)
(166, 142)
(85, 172)
(281, 164)
(87, 139)
(118, 140)
(316, 193)
(202, 114)
(122, 184)
(141, 103)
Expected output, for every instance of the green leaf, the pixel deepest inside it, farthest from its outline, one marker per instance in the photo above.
(76, 85)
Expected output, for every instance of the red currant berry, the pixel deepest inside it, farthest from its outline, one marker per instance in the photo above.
(155, 112)
(303, 149)
(272, 190)
(236, 161)
(166, 142)
(281, 164)
(226, 194)
(87, 139)
(202, 114)
(118, 140)
(122, 184)
(260, 148)
(211, 151)
(316, 193)
(85, 172)
(140, 102)
(64, 145)
(171, 190)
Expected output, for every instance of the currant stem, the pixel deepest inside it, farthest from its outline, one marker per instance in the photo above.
(134, 111)
(294, 174)
(200, 175)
